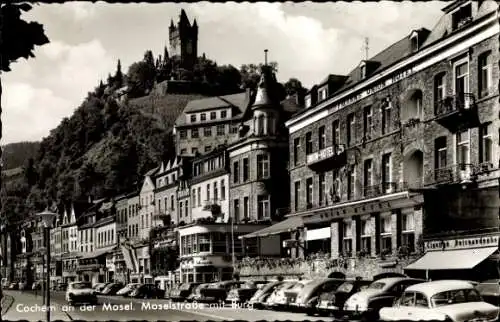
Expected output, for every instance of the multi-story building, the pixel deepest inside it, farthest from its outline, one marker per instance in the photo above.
(121, 204)
(133, 215)
(39, 244)
(165, 193)
(56, 248)
(209, 186)
(147, 204)
(416, 122)
(23, 269)
(207, 123)
(184, 193)
(69, 245)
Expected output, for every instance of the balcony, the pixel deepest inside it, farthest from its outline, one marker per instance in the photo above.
(328, 158)
(384, 188)
(457, 173)
(212, 205)
(457, 112)
(90, 267)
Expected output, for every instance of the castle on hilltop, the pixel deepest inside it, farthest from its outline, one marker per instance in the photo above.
(184, 41)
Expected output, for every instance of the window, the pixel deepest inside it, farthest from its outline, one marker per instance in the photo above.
(233, 129)
(263, 210)
(321, 189)
(440, 159)
(408, 231)
(335, 132)
(463, 147)
(193, 203)
(204, 242)
(262, 166)
(296, 195)
(308, 101)
(368, 175)
(347, 238)
(208, 192)
(194, 150)
(386, 234)
(213, 115)
(222, 190)
(296, 150)
(193, 118)
(351, 129)
(186, 208)
(362, 70)
(208, 148)
(486, 144)
(414, 43)
(246, 170)
(322, 93)
(485, 74)
(172, 202)
(236, 172)
(223, 114)
(386, 172)
(221, 130)
(207, 131)
(321, 137)
(309, 143)
(439, 90)
(183, 151)
(245, 207)
(203, 117)
(462, 16)
(236, 209)
(183, 134)
(386, 117)
(351, 183)
(216, 192)
(366, 244)
(461, 80)
(194, 133)
(309, 192)
(199, 196)
(421, 300)
(367, 122)
(408, 299)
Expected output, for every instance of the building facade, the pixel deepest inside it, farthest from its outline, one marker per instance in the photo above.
(165, 193)
(147, 204)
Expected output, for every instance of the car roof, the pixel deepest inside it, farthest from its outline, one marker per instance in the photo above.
(434, 287)
(79, 282)
(392, 280)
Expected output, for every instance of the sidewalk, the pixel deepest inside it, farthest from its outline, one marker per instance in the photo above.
(29, 307)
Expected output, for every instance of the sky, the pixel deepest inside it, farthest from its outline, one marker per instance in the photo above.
(308, 40)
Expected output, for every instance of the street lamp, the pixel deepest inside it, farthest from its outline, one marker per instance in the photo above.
(47, 218)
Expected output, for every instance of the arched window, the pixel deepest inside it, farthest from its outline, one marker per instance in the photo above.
(260, 124)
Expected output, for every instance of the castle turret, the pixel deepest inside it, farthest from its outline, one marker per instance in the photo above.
(184, 41)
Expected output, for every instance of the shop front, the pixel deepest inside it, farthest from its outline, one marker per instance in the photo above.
(206, 269)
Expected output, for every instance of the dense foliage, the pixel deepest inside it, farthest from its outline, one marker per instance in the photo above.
(15, 154)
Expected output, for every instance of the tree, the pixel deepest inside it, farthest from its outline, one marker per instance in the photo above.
(294, 86)
(228, 77)
(250, 74)
(118, 79)
(18, 40)
(141, 78)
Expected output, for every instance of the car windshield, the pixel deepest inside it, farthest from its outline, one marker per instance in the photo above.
(376, 286)
(489, 287)
(79, 286)
(345, 287)
(455, 297)
(184, 287)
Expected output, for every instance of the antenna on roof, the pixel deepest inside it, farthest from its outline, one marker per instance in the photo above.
(366, 47)
(265, 57)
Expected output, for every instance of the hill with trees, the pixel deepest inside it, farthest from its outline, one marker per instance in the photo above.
(15, 154)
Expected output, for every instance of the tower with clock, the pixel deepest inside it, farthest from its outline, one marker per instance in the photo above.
(183, 39)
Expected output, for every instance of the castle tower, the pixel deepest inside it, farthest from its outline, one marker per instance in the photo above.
(184, 41)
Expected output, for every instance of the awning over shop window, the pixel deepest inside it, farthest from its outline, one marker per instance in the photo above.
(452, 259)
(99, 252)
(128, 257)
(320, 233)
(288, 225)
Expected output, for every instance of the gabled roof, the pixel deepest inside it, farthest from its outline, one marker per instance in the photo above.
(152, 172)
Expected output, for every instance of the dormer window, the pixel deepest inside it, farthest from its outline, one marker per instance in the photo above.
(307, 101)
(203, 117)
(193, 118)
(414, 41)
(462, 16)
(362, 69)
(322, 93)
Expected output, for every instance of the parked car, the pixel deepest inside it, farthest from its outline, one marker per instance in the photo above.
(258, 300)
(127, 289)
(147, 291)
(61, 286)
(196, 292)
(24, 285)
(490, 291)
(449, 300)
(14, 286)
(307, 297)
(112, 288)
(245, 292)
(217, 292)
(292, 293)
(101, 287)
(278, 296)
(182, 292)
(81, 292)
(381, 293)
(38, 285)
(332, 302)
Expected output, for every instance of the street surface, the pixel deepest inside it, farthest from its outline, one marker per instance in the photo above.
(125, 309)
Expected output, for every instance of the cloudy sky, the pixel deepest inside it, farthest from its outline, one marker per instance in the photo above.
(308, 40)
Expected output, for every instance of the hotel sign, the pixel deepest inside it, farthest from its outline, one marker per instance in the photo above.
(321, 155)
(373, 89)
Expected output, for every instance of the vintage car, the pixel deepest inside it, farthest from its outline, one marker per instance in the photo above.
(490, 291)
(307, 298)
(278, 295)
(258, 300)
(381, 293)
(181, 293)
(446, 300)
(245, 292)
(332, 302)
(287, 295)
(112, 289)
(147, 291)
(128, 289)
(217, 292)
(196, 292)
(80, 292)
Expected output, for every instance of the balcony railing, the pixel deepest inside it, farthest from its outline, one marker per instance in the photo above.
(455, 103)
(384, 188)
(462, 173)
(455, 112)
(211, 205)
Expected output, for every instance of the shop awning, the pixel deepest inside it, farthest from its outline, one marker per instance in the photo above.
(452, 259)
(320, 233)
(288, 225)
(128, 257)
(99, 252)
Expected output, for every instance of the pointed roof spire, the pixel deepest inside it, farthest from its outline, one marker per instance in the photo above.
(195, 24)
(264, 96)
(184, 18)
(172, 23)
